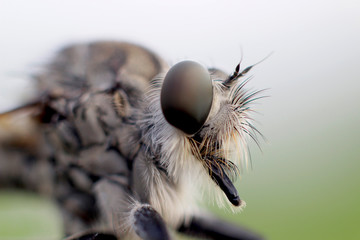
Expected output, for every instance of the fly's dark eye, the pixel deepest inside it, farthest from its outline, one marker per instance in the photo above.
(186, 96)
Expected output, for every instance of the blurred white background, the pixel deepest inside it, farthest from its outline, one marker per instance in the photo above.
(316, 43)
(311, 119)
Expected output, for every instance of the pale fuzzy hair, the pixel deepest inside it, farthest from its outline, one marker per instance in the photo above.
(229, 123)
(225, 126)
(124, 224)
(175, 204)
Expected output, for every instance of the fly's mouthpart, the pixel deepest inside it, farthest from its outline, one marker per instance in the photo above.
(210, 152)
(222, 143)
(220, 177)
(222, 171)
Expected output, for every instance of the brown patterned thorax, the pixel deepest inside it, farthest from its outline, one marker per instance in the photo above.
(90, 99)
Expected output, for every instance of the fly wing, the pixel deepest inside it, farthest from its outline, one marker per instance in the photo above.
(18, 127)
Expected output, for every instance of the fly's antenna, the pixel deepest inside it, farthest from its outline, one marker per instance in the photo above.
(237, 74)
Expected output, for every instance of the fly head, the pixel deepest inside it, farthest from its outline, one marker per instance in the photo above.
(214, 115)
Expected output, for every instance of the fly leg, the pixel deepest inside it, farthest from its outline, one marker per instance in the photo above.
(93, 236)
(130, 218)
(148, 224)
(209, 227)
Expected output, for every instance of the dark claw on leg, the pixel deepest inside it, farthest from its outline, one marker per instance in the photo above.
(149, 225)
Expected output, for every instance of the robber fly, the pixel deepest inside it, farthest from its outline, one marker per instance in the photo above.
(126, 145)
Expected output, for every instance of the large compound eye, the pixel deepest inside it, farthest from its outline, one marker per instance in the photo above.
(186, 96)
